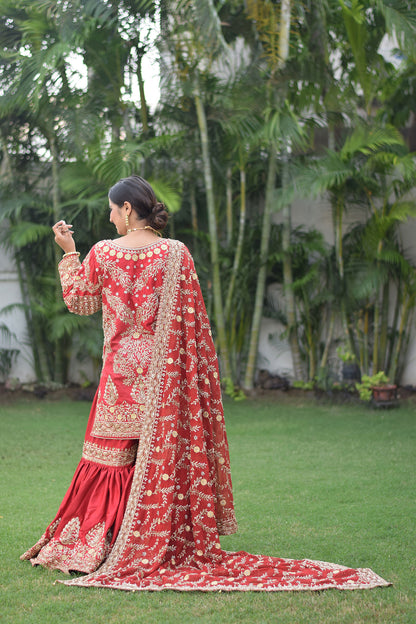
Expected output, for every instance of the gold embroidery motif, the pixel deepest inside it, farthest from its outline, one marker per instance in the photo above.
(110, 392)
(95, 535)
(135, 352)
(69, 552)
(138, 391)
(70, 532)
(117, 421)
(109, 456)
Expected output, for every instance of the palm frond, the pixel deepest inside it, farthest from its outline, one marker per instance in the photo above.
(12, 307)
(400, 19)
(329, 172)
(402, 210)
(64, 324)
(208, 25)
(5, 332)
(282, 125)
(13, 207)
(167, 194)
(368, 140)
(25, 232)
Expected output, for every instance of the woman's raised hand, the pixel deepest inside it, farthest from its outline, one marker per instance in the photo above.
(63, 236)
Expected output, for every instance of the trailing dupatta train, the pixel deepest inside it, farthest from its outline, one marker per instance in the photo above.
(181, 495)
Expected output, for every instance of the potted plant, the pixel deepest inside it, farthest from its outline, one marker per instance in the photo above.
(350, 370)
(377, 388)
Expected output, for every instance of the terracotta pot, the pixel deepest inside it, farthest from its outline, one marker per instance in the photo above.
(384, 393)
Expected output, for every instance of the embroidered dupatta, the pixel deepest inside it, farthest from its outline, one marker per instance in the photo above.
(181, 495)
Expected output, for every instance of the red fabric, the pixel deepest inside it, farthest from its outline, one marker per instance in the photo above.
(89, 518)
(181, 495)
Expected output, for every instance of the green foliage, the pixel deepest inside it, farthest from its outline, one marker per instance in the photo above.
(71, 125)
(232, 391)
(345, 356)
(368, 382)
(7, 357)
(304, 385)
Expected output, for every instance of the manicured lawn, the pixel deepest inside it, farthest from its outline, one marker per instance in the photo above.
(330, 483)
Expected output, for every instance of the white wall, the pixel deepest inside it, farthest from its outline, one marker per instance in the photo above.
(15, 320)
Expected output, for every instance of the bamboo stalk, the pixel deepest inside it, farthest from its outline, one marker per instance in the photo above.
(239, 246)
(60, 364)
(328, 341)
(377, 318)
(366, 343)
(403, 321)
(384, 325)
(298, 368)
(144, 116)
(194, 213)
(248, 383)
(212, 225)
(393, 334)
(229, 205)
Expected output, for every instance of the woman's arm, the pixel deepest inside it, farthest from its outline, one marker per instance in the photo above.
(81, 283)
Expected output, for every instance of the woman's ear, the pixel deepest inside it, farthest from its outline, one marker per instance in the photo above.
(127, 206)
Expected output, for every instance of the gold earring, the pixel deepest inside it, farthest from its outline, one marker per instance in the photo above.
(127, 222)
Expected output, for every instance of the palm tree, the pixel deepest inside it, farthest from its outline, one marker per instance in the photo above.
(197, 30)
(369, 170)
(60, 123)
(273, 26)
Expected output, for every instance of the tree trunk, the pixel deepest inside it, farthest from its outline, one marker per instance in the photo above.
(384, 326)
(229, 204)
(328, 341)
(212, 225)
(55, 197)
(39, 348)
(298, 368)
(5, 165)
(406, 307)
(143, 105)
(284, 32)
(248, 383)
(377, 318)
(395, 322)
(61, 363)
(194, 212)
(239, 246)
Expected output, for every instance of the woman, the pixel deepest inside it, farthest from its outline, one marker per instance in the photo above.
(152, 492)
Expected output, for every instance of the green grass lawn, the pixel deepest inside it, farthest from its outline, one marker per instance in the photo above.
(333, 483)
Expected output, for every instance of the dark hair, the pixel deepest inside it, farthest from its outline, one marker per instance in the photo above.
(142, 198)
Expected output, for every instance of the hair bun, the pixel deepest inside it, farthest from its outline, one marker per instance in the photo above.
(158, 218)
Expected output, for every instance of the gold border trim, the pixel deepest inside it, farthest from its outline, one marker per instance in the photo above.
(109, 456)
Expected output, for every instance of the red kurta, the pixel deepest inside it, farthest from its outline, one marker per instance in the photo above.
(160, 386)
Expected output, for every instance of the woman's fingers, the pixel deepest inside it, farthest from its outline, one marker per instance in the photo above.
(64, 235)
(62, 228)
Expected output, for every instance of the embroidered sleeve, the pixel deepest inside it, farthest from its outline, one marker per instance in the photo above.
(81, 283)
